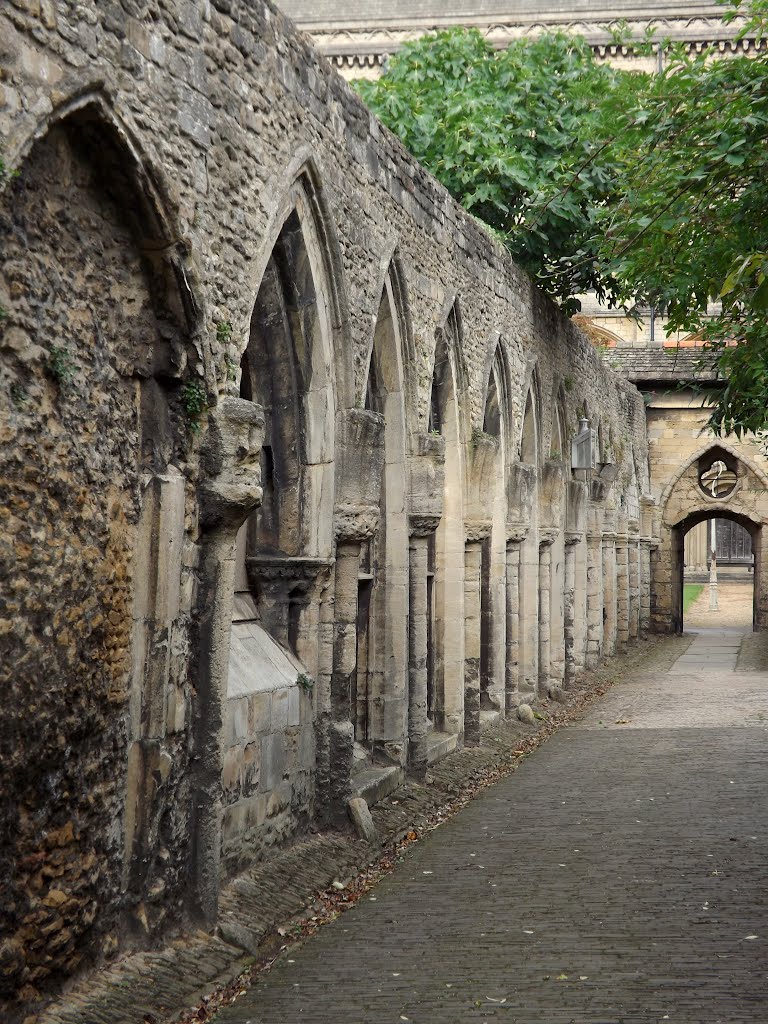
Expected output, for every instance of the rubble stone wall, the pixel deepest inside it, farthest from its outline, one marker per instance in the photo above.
(159, 147)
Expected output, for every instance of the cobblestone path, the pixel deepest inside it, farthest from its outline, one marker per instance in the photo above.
(620, 875)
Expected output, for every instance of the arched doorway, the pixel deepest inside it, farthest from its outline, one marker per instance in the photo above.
(739, 524)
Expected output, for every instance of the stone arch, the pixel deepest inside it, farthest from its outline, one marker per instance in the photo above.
(529, 445)
(732, 450)
(683, 506)
(447, 416)
(379, 702)
(490, 497)
(305, 197)
(95, 344)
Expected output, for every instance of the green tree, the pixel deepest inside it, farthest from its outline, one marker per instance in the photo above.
(688, 222)
(518, 138)
(641, 188)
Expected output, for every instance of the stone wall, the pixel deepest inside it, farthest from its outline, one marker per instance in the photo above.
(236, 308)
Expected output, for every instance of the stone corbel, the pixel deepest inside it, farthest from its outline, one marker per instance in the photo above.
(231, 487)
(420, 525)
(360, 459)
(521, 488)
(427, 481)
(282, 582)
(353, 523)
(547, 535)
(516, 533)
(477, 530)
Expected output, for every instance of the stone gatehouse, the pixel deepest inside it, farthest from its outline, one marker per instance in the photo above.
(287, 504)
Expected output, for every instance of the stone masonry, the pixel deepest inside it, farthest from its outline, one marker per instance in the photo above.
(287, 505)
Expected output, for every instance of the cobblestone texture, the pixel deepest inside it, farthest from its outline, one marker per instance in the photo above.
(619, 877)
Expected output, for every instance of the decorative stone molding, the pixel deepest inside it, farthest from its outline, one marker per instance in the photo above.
(516, 533)
(421, 525)
(548, 535)
(352, 48)
(477, 530)
(230, 455)
(301, 572)
(352, 523)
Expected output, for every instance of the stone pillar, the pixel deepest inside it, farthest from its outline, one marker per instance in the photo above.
(569, 608)
(647, 544)
(546, 539)
(622, 585)
(342, 733)
(230, 492)
(609, 594)
(634, 580)
(473, 559)
(421, 527)
(515, 535)
(594, 648)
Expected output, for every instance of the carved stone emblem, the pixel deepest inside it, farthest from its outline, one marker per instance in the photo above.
(718, 480)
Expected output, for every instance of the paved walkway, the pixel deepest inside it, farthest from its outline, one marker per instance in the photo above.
(620, 875)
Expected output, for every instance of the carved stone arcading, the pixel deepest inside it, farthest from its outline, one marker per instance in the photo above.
(421, 525)
(230, 455)
(547, 536)
(351, 523)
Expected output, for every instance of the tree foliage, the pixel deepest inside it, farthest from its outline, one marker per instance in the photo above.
(647, 188)
(516, 137)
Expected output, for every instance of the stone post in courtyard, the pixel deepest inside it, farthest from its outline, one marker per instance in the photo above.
(647, 543)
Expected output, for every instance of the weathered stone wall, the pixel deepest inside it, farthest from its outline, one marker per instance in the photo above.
(166, 151)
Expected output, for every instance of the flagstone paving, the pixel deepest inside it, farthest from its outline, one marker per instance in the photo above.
(619, 876)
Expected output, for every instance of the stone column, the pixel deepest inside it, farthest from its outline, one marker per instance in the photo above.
(609, 593)
(421, 528)
(594, 596)
(569, 607)
(230, 492)
(647, 544)
(634, 580)
(473, 559)
(622, 585)
(515, 535)
(342, 733)
(546, 539)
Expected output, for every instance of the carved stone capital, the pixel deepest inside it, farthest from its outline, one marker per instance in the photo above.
(516, 533)
(609, 537)
(477, 530)
(302, 573)
(547, 536)
(573, 537)
(352, 523)
(422, 525)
